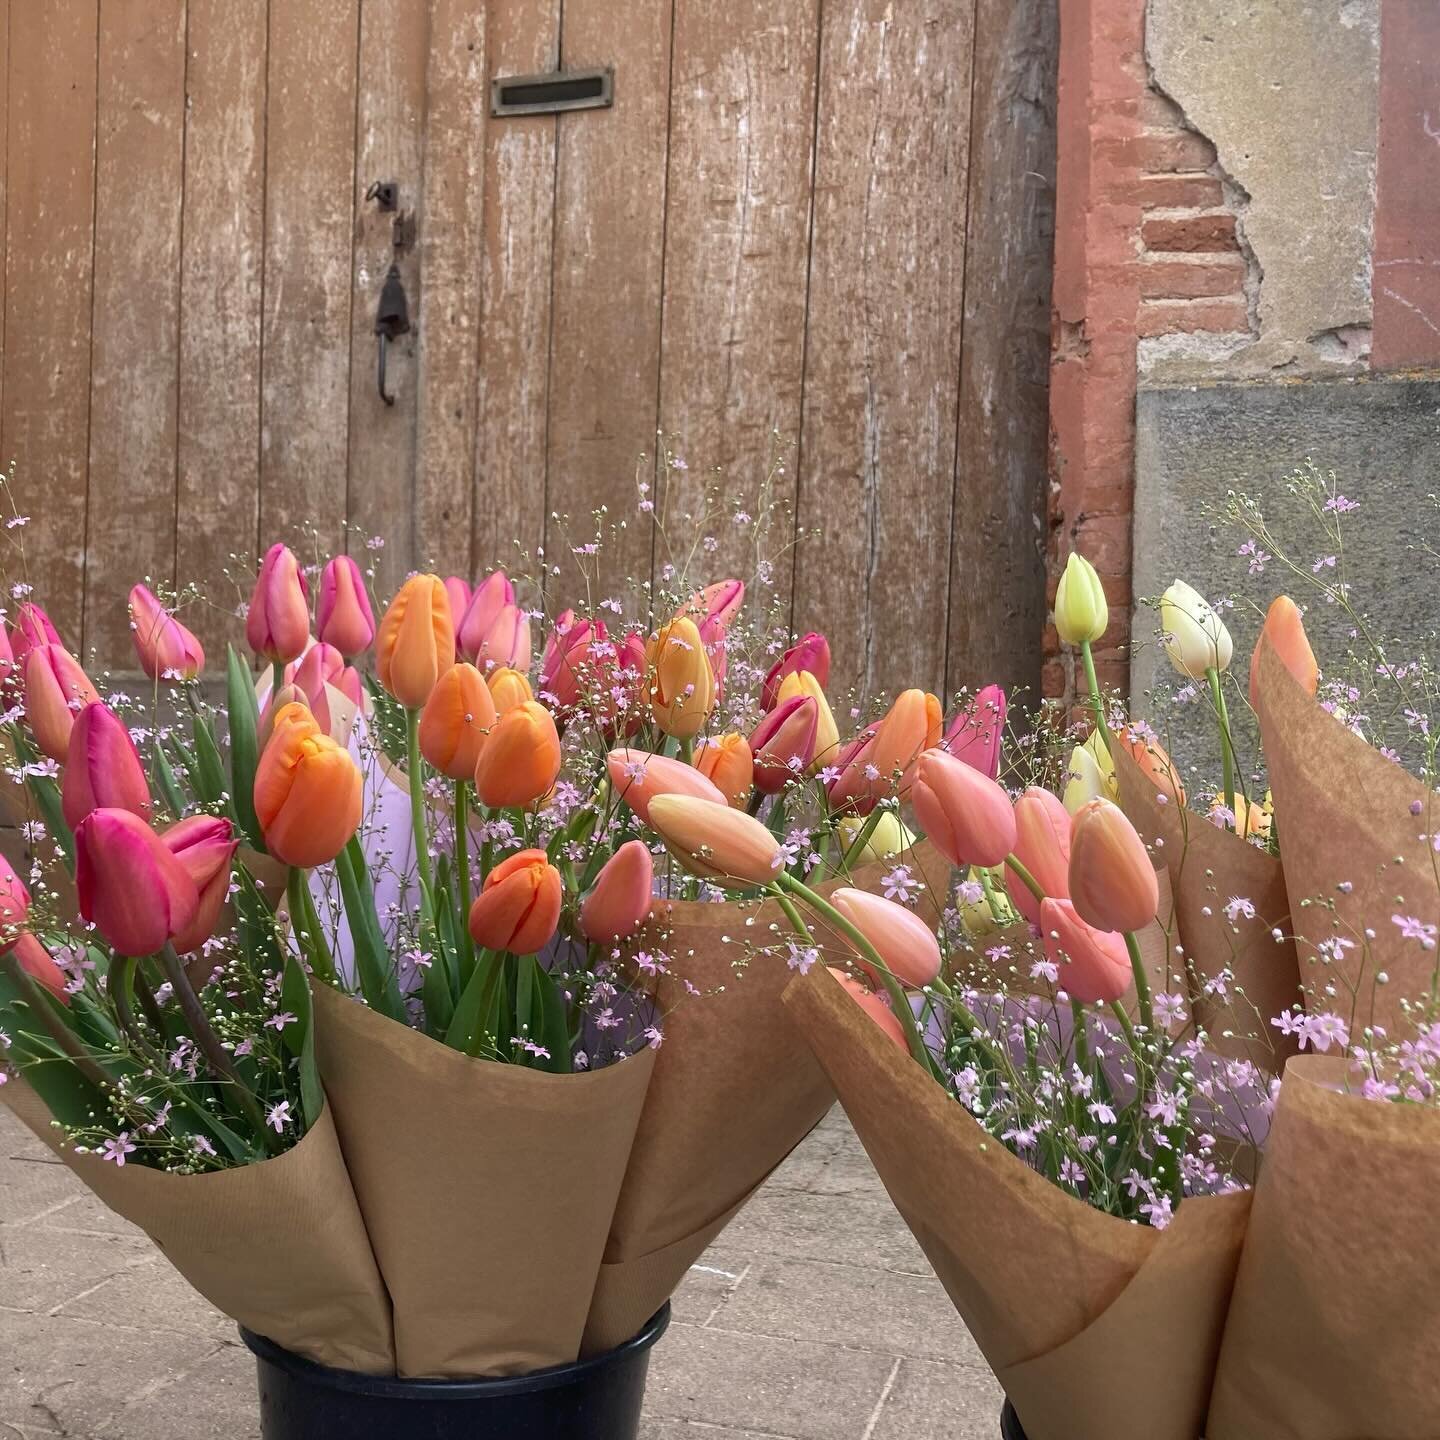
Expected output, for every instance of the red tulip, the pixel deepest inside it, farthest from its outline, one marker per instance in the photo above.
(1285, 630)
(14, 903)
(343, 617)
(167, 650)
(967, 815)
(902, 939)
(875, 1007)
(812, 653)
(131, 888)
(638, 777)
(38, 963)
(204, 846)
(1112, 880)
(518, 909)
(620, 901)
(487, 600)
(32, 629)
(783, 743)
(974, 735)
(1094, 964)
(277, 624)
(56, 689)
(102, 768)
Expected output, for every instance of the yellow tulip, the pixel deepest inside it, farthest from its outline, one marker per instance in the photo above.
(1081, 610)
(682, 684)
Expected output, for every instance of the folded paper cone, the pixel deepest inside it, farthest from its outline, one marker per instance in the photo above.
(1335, 1320)
(278, 1246)
(487, 1189)
(1095, 1327)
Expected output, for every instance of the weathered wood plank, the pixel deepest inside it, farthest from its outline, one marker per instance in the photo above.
(222, 266)
(998, 538)
(609, 259)
(134, 357)
(451, 244)
(309, 216)
(4, 177)
(518, 230)
(883, 338)
(49, 266)
(736, 252)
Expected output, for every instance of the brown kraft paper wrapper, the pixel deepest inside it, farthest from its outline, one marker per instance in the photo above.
(278, 1246)
(1344, 813)
(1335, 1322)
(1208, 865)
(487, 1189)
(1095, 1327)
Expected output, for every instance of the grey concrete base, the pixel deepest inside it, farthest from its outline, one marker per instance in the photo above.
(815, 1317)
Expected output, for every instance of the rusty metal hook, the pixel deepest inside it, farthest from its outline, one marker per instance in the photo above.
(392, 318)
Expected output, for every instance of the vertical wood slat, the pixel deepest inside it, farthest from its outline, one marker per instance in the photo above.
(883, 347)
(49, 263)
(609, 257)
(451, 250)
(218, 499)
(736, 252)
(4, 195)
(997, 541)
(309, 215)
(134, 368)
(390, 110)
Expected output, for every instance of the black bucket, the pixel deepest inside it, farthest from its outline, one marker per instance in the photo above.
(1010, 1424)
(594, 1399)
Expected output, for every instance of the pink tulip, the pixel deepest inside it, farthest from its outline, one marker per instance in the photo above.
(507, 642)
(974, 735)
(131, 888)
(350, 684)
(875, 1007)
(14, 903)
(343, 616)
(167, 650)
(321, 665)
(638, 777)
(1094, 964)
(56, 688)
(459, 592)
(812, 653)
(38, 963)
(487, 600)
(1112, 880)
(712, 639)
(7, 655)
(32, 629)
(966, 814)
(620, 901)
(277, 625)
(783, 743)
(102, 768)
(567, 665)
(204, 846)
(627, 713)
(902, 939)
(1042, 846)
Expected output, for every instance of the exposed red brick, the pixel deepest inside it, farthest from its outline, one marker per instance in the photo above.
(1050, 641)
(1191, 279)
(1178, 192)
(1054, 679)
(1182, 317)
(1191, 233)
(1160, 112)
(1104, 540)
(1113, 672)
(1160, 153)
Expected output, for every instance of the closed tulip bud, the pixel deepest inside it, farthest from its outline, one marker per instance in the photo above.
(1249, 819)
(719, 602)
(456, 720)
(1154, 763)
(487, 600)
(616, 908)
(351, 686)
(811, 653)
(827, 733)
(56, 690)
(783, 743)
(976, 732)
(321, 665)
(1094, 965)
(627, 711)
(7, 655)
(508, 689)
(967, 815)
(901, 938)
(712, 638)
(570, 665)
(874, 1006)
(416, 643)
(1082, 613)
(307, 791)
(277, 624)
(14, 903)
(289, 694)
(130, 887)
(682, 685)
(1285, 630)
(885, 763)
(507, 642)
(728, 763)
(888, 838)
(167, 650)
(1112, 880)
(204, 845)
(457, 591)
(518, 909)
(38, 963)
(1042, 846)
(520, 761)
(637, 777)
(32, 629)
(1087, 780)
(725, 846)
(343, 617)
(102, 768)
(1195, 637)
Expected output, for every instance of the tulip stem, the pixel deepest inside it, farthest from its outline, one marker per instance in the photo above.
(1142, 982)
(794, 917)
(1227, 748)
(1096, 703)
(277, 678)
(687, 752)
(1026, 878)
(857, 848)
(462, 878)
(417, 798)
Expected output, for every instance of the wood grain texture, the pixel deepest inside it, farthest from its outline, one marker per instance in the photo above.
(309, 217)
(609, 255)
(134, 357)
(883, 343)
(222, 267)
(451, 249)
(736, 251)
(997, 575)
(49, 263)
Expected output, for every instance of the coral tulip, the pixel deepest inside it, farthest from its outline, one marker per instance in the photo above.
(874, 1006)
(277, 624)
(783, 743)
(1285, 630)
(827, 734)
(102, 768)
(487, 600)
(520, 761)
(1112, 880)
(307, 791)
(343, 617)
(167, 650)
(976, 732)
(456, 720)
(458, 593)
(1195, 637)
(416, 643)
(638, 777)
(1249, 818)
(620, 901)
(715, 842)
(1081, 611)
(1154, 763)
(56, 688)
(131, 888)
(901, 938)
(518, 909)
(967, 815)
(508, 688)
(204, 845)
(1042, 846)
(682, 685)
(14, 902)
(38, 963)
(885, 760)
(728, 763)
(811, 653)
(1094, 964)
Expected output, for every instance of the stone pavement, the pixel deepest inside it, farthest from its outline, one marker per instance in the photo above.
(815, 1317)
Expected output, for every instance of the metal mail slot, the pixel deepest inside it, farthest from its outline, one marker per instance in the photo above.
(559, 90)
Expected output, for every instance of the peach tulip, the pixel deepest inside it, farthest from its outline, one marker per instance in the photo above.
(617, 906)
(715, 842)
(719, 602)
(811, 653)
(32, 629)
(487, 600)
(130, 887)
(277, 625)
(167, 650)
(874, 1006)
(967, 815)
(1157, 767)
(204, 845)
(520, 761)
(518, 908)
(902, 939)
(14, 903)
(885, 760)
(56, 689)
(416, 643)
(682, 684)
(1112, 880)
(728, 763)
(1285, 630)
(102, 768)
(343, 617)
(456, 720)
(508, 689)
(783, 743)
(638, 777)
(1042, 846)
(1094, 964)
(975, 733)
(827, 733)
(38, 963)
(307, 791)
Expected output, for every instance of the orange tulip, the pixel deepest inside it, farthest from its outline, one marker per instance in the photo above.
(508, 688)
(902, 939)
(1154, 763)
(638, 777)
(1285, 630)
(456, 720)
(167, 650)
(416, 643)
(518, 908)
(307, 791)
(884, 761)
(874, 1006)
(965, 813)
(682, 684)
(1042, 846)
(1094, 964)
(56, 690)
(620, 901)
(520, 760)
(727, 762)
(1112, 881)
(715, 842)
(277, 625)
